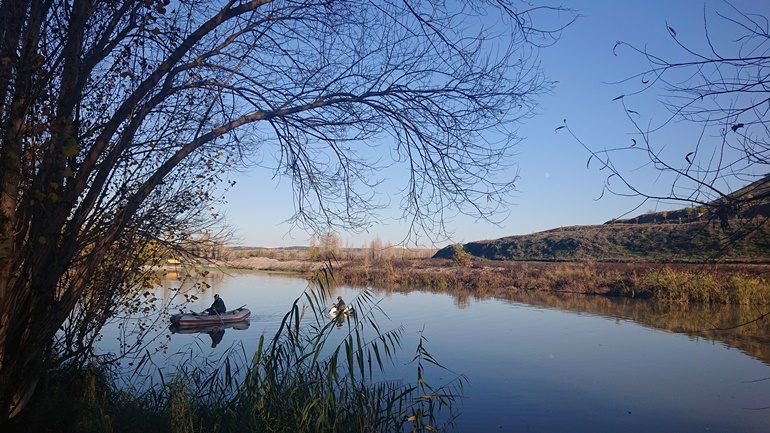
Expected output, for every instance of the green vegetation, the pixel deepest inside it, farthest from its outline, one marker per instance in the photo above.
(460, 256)
(298, 381)
(717, 232)
(693, 242)
(720, 231)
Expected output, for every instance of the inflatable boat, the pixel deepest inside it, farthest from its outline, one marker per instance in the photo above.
(203, 319)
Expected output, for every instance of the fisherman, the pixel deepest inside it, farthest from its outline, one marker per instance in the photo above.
(218, 307)
(340, 306)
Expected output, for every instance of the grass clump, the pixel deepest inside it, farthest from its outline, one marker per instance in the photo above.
(748, 290)
(683, 286)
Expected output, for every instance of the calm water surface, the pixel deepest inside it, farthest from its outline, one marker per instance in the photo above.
(543, 365)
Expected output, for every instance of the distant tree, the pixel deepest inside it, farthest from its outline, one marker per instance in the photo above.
(118, 118)
(330, 246)
(390, 252)
(460, 256)
(375, 249)
(314, 252)
(724, 89)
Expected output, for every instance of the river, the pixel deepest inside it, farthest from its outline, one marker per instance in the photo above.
(538, 362)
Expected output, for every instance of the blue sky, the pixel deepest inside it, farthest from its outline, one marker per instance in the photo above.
(556, 189)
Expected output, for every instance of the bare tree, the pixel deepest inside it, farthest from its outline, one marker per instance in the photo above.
(722, 89)
(119, 116)
(375, 249)
(330, 246)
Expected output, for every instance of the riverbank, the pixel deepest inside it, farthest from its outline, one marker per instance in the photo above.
(744, 284)
(725, 284)
(264, 264)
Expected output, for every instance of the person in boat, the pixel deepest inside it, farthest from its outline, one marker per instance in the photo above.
(340, 306)
(218, 307)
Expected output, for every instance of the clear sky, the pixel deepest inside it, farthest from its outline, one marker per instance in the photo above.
(556, 188)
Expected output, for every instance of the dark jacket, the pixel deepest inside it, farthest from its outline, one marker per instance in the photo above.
(218, 306)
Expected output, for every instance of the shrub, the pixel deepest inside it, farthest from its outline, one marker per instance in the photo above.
(460, 256)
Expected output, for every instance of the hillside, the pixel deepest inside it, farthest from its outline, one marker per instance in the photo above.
(727, 230)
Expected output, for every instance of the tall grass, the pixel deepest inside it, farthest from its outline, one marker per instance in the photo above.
(298, 380)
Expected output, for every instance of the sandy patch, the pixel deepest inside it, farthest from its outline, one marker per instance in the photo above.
(268, 264)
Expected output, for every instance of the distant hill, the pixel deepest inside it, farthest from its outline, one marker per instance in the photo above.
(726, 230)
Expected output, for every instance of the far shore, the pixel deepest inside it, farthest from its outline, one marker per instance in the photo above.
(249, 264)
(715, 284)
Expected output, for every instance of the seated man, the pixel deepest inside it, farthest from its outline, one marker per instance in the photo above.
(340, 305)
(218, 307)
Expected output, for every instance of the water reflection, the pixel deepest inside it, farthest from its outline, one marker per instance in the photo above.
(734, 325)
(543, 362)
(215, 331)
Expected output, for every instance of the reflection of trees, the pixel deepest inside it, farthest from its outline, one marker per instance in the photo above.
(193, 280)
(188, 283)
(462, 300)
(712, 322)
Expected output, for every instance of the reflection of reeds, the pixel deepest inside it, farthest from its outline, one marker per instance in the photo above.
(735, 325)
(723, 284)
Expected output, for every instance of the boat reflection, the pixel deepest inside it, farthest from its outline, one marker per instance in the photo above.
(215, 331)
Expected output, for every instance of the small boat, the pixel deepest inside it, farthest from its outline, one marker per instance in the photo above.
(202, 319)
(347, 311)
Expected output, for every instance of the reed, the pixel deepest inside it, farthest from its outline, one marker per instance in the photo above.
(747, 290)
